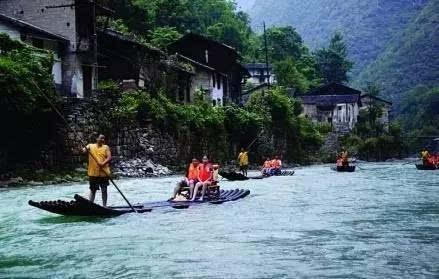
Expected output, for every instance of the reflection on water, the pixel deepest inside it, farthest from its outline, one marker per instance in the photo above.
(380, 222)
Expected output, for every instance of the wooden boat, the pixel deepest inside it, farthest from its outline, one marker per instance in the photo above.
(234, 176)
(344, 169)
(426, 167)
(83, 207)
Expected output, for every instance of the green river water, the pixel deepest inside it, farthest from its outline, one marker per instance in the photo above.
(379, 222)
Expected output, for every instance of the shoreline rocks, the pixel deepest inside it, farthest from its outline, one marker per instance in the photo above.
(137, 168)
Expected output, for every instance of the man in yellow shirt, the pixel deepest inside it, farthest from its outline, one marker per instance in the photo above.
(98, 172)
(243, 161)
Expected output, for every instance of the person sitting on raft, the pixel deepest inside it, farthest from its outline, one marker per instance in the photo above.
(339, 161)
(425, 156)
(189, 180)
(205, 178)
(276, 166)
(266, 167)
(344, 157)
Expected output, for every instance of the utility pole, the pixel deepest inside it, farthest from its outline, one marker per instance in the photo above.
(266, 56)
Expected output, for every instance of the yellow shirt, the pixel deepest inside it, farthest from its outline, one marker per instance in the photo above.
(243, 158)
(424, 154)
(100, 153)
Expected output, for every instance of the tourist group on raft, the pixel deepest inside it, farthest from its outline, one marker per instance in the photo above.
(429, 159)
(204, 174)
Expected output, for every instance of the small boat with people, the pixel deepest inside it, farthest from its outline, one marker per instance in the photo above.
(426, 167)
(344, 168)
(234, 176)
(430, 161)
(270, 168)
(343, 162)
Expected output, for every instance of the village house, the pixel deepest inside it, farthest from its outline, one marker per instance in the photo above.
(75, 22)
(259, 74)
(334, 104)
(217, 71)
(339, 106)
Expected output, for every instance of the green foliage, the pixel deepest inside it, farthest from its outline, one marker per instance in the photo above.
(284, 42)
(289, 76)
(368, 26)
(410, 58)
(332, 62)
(211, 129)
(166, 20)
(280, 115)
(25, 75)
(217, 129)
(163, 36)
(420, 115)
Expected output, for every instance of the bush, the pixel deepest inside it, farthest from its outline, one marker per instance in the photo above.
(25, 81)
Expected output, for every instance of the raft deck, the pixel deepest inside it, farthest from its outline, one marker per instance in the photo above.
(81, 206)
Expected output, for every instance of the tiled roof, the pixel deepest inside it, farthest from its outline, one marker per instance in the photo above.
(330, 100)
(334, 89)
(35, 29)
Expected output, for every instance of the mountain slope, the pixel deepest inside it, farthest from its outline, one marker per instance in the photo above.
(368, 26)
(410, 59)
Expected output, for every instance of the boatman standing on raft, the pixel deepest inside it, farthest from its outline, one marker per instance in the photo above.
(98, 172)
(243, 161)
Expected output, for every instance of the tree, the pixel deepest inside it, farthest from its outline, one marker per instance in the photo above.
(332, 62)
(284, 42)
(287, 75)
(159, 21)
(163, 36)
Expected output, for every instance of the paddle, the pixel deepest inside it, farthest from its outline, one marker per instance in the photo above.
(91, 154)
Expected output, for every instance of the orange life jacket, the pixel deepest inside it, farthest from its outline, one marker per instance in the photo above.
(276, 164)
(205, 172)
(192, 172)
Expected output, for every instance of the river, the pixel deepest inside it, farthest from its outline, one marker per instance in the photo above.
(379, 222)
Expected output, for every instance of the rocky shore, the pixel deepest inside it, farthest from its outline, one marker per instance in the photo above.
(135, 168)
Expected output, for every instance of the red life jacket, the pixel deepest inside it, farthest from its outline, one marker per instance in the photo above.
(205, 172)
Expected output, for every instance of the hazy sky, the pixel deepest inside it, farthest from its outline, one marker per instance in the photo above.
(245, 4)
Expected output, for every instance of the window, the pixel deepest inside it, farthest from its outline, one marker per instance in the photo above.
(219, 102)
(214, 79)
(214, 103)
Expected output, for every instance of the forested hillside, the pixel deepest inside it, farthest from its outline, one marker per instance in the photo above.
(366, 25)
(393, 43)
(411, 58)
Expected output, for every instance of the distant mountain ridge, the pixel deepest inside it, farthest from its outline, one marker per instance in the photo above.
(371, 30)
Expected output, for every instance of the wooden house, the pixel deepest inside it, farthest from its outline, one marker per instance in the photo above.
(218, 72)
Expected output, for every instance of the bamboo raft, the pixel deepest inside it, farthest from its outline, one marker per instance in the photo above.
(81, 206)
(234, 176)
(425, 167)
(344, 169)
